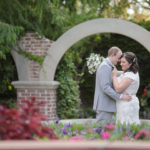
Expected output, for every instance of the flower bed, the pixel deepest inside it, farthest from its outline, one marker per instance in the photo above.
(96, 131)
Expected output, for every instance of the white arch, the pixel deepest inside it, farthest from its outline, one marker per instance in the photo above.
(82, 30)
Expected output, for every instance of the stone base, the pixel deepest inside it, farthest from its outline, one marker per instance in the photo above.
(42, 91)
(73, 145)
(84, 121)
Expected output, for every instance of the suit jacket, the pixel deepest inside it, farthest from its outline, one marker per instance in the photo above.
(105, 96)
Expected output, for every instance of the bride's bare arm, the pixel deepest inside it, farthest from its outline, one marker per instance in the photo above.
(121, 86)
(119, 73)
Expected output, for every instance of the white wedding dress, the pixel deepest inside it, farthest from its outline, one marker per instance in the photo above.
(128, 112)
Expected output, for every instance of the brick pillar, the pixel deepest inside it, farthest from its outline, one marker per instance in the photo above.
(42, 91)
(37, 46)
(29, 84)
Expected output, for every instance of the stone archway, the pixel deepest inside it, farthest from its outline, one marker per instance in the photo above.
(80, 31)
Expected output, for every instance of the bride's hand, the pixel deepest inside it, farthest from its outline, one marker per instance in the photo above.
(114, 72)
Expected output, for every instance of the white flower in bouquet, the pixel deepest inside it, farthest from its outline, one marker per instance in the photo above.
(93, 62)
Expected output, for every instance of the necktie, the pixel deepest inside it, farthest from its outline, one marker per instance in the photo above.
(112, 67)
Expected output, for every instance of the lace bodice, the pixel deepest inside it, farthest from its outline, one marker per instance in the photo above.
(133, 88)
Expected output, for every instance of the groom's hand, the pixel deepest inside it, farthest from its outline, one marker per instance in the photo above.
(126, 97)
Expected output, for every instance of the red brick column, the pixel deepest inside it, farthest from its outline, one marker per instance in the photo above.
(37, 46)
(29, 84)
(42, 91)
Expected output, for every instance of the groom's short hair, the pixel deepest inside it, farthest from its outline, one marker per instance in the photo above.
(113, 50)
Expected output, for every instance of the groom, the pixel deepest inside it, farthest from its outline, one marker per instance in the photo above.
(105, 96)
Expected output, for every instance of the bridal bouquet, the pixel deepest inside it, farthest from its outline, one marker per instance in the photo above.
(93, 62)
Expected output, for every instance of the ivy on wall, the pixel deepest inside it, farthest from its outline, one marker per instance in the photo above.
(68, 93)
(30, 56)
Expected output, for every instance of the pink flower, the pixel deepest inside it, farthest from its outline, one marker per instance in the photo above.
(110, 127)
(126, 137)
(105, 135)
(75, 138)
(141, 134)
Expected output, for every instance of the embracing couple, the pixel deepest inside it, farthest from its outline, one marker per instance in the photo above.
(115, 90)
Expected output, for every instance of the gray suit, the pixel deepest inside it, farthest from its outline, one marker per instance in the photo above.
(105, 96)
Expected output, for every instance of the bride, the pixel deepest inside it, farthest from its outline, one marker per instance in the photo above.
(127, 81)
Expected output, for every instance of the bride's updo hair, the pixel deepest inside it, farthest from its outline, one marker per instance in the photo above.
(131, 59)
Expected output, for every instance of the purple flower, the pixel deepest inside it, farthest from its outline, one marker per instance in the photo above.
(99, 130)
(68, 126)
(128, 128)
(57, 121)
(121, 129)
(64, 132)
(65, 128)
(146, 116)
(83, 132)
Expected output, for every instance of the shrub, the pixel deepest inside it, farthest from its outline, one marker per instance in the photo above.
(25, 123)
(145, 102)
